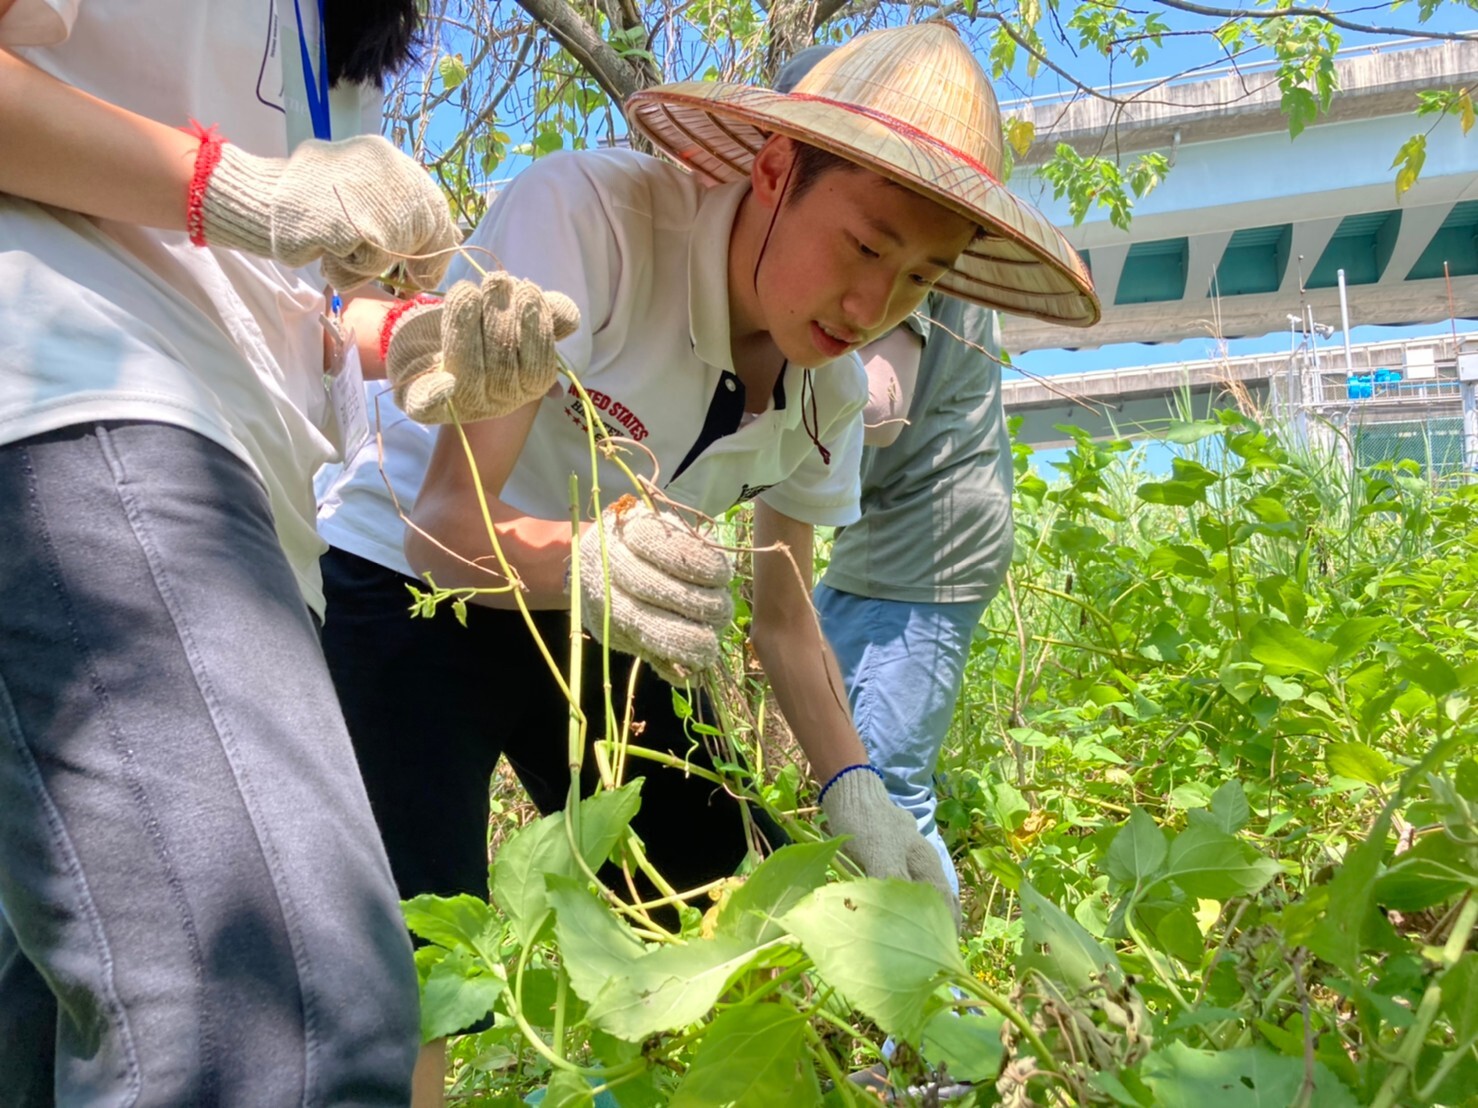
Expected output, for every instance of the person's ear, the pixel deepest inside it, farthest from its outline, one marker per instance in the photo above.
(771, 169)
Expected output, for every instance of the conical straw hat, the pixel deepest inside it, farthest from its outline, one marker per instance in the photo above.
(912, 104)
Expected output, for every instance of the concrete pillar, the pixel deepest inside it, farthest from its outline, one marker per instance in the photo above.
(1310, 237)
(1205, 253)
(1418, 225)
(1108, 267)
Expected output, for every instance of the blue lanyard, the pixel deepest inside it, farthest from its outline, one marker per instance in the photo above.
(315, 85)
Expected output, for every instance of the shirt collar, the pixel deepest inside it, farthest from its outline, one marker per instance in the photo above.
(708, 273)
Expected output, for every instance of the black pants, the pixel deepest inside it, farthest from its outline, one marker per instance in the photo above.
(431, 705)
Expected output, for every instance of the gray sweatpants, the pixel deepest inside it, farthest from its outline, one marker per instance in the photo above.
(196, 906)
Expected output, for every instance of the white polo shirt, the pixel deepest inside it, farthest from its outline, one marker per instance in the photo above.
(642, 248)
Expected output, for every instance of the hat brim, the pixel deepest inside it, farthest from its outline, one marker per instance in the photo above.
(1022, 264)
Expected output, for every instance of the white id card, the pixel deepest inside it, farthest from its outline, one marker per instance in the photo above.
(348, 422)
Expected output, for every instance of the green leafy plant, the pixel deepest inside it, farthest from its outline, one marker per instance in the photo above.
(1212, 797)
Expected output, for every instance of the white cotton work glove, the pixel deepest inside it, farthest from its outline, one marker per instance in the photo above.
(359, 204)
(669, 590)
(885, 839)
(485, 351)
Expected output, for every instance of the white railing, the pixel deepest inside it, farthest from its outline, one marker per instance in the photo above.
(1208, 73)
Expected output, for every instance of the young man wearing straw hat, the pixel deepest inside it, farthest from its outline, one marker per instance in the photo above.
(906, 584)
(719, 315)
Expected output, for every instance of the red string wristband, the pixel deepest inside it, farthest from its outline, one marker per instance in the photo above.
(392, 317)
(206, 160)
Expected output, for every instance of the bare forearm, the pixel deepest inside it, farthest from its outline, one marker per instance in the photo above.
(449, 534)
(883, 419)
(364, 314)
(892, 365)
(450, 541)
(809, 689)
(787, 637)
(65, 148)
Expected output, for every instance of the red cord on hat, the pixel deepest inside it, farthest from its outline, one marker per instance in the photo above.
(206, 160)
(392, 317)
(893, 123)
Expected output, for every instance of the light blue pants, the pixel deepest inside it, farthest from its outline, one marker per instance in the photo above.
(903, 664)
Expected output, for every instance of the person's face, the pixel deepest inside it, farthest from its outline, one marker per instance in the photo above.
(848, 260)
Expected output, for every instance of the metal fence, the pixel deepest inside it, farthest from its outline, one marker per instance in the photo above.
(1435, 444)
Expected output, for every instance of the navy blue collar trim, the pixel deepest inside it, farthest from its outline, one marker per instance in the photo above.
(725, 414)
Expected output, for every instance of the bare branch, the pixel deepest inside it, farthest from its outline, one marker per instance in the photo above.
(793, 26)
(1329, 17)
(1026, 44)
(617, 77)
(489, 110)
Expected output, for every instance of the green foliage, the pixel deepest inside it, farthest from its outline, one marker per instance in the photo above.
(453, 70)
(1212, 801)
(1454, 102)
(753, 910)
(1095, 181)
(460, 975)
(1408, 162)
(456, 991)
(1412, 155)
(1112, 30)
(523, 866)
(890, 945)
(1249, 1077)
(967, 1046)
(1061, 949)
(887, 945)
(1305, 49)
(1267, 895)
(751, 1055)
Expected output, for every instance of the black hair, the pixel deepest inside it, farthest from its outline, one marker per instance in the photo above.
(369, 39)
(812, 163)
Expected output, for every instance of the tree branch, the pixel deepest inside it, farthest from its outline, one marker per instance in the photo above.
(484, 48)
(793, 25)
(1312, 13)
(1023, 42)
(617, 77)
(489, 110)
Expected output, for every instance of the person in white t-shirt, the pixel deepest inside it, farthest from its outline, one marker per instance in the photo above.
(194, 904)
(719, 313)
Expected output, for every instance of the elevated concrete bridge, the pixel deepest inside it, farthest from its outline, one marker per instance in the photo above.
(1415, 381)
(1246, 216)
